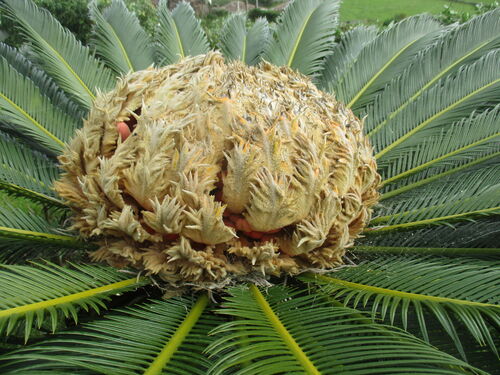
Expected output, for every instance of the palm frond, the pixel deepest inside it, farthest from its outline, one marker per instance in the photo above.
(277, 331)
(47, 289)
(446, 251)
(26, 173)
(481, 232)
(238, 43)
(474, 86)
(155, 338)
(441, 150)
(66, 60)
(179, 34)
(458, 46)
(464, 288)
(31, 228)
(381, 59)
(344, 55)
(304, 34)
(46, 85)
(119, 39)
(28, 112)
(465, 195)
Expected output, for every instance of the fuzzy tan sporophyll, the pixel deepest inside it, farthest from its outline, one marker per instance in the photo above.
(206, 171)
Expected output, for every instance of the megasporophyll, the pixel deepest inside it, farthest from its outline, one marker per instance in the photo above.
(205, 172)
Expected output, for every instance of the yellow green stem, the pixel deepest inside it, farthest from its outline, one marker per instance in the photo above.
(287, 338)
(179, 336)
(397, 293)
(21, 310)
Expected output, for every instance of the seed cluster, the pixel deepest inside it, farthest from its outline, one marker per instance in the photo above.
(205, 171)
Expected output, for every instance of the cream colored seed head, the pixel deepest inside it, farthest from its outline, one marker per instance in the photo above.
(229, 171)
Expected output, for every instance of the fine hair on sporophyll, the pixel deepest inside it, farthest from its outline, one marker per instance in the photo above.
(205, 171)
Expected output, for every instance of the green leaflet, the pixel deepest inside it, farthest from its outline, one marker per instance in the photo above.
(64, 58)
(35, 292)
(453, 289)
(119, 39)
(304, 35)
(238, 43)
(179, 34)
(153, 338)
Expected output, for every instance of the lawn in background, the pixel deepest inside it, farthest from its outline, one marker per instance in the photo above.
(378, 11)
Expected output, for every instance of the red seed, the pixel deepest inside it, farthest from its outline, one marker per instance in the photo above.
(266, 237)
(273, 231)
(170, 237)
(243, 225)
(255, 235)
(123, 130)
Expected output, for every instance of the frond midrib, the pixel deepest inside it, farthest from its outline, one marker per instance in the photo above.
(32, 120)
(380, 71)
(427, 180)
(287, 338)
(122, 48)
(156, 368)
(432, 118)
(299, 38)
(39, 236)
(16, 189)
(436, 160)
(426, 86)
(429, 221)
(396, 293)
(427, 250)
(72, 298)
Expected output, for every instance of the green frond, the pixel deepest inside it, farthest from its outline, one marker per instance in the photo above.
(464, 288)
(462, 196)
(443, 149)
(474, 86)
(178, 34)
(25, 110)
(344, 55)
(304, 35)
(30, 293)
(381, 59)
(67, 61)
(481, 232)
(478, 163)
(44, 83)
(119, 39)
(30, 227)
(458, 46)
(278, 331)
(446, 251)
(154, 338)
(27, 173)
(238, 43)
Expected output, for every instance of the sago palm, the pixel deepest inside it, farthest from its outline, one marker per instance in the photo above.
(168, 209)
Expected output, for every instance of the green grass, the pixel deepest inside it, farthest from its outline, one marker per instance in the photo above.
(378, 11)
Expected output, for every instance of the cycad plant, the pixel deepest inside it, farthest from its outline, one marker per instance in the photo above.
(418, 291)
